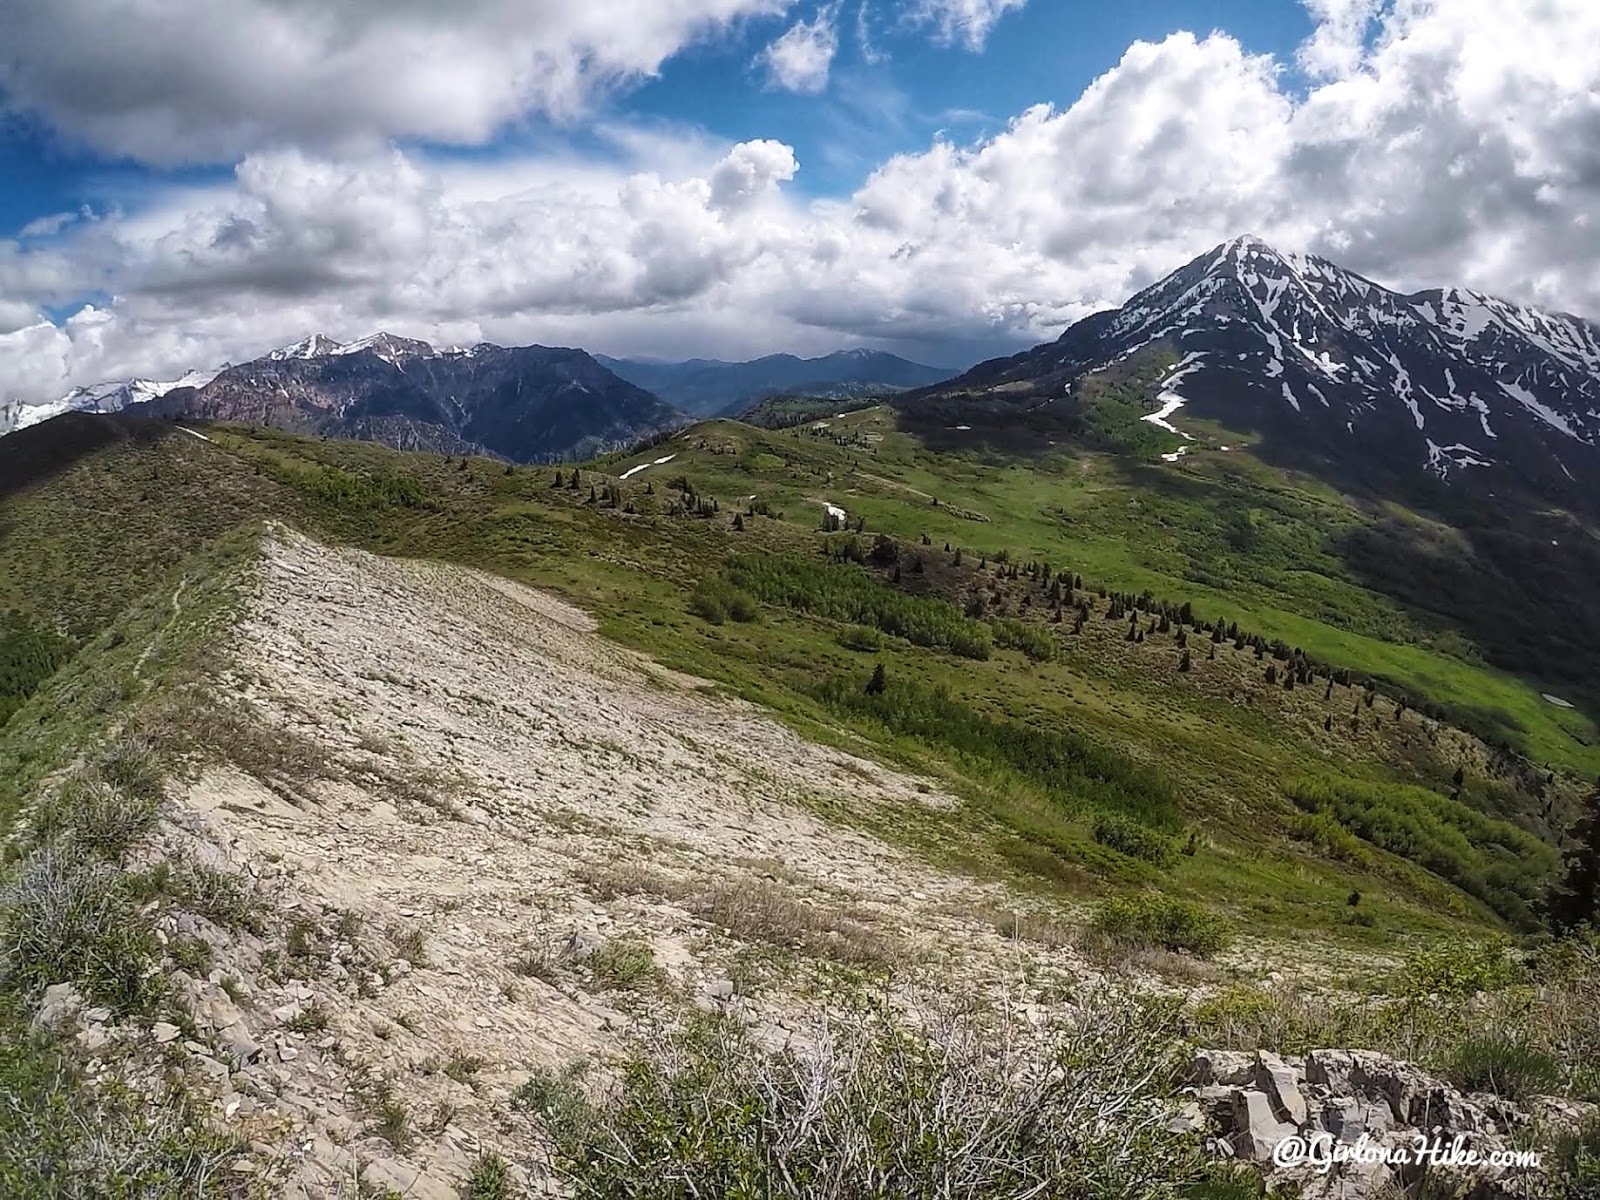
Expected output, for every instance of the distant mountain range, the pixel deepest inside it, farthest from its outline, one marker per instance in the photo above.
(1329, 367)
(526, 404)
(708, 387)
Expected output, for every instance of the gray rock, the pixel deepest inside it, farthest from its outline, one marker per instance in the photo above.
(164, 1032)
(1257, 1129)
(61, 1003)
(239, 1045)
(1282, 1087)
(1224, 1068)
(1188, 1119)
(580, 945)
(215, 1072)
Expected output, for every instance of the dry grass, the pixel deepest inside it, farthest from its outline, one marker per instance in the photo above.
(756, 910)
(955, 1102)
(1038, 928)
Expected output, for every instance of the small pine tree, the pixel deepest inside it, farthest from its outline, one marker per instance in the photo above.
(1575, 901)
(1183, 663)
(1272, 673)
(592, 497)
(878, 682)
(738, 522)
(559, 480)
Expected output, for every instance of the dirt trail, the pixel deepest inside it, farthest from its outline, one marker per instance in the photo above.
(531, 750)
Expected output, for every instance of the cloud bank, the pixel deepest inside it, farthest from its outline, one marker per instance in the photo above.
(1436, 142)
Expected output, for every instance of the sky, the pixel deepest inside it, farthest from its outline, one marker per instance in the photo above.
(192, 182)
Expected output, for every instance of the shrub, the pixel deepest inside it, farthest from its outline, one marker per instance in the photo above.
(1032, 640)
(1066, 766)
(66, 916)
(490, 1179)
(950, 1104)
(1493, 860)
(1459, 968)
(717, 600)
(1575, 1174)
(623, 966)
(1505, 1064)
(96, 814)
(859, 637)
(1163, 921)
(846, 592)
(1133, 839)
(61, 1138)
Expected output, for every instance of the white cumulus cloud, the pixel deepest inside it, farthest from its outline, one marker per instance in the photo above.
(170, 81)
(1446, 143)
(799, 61)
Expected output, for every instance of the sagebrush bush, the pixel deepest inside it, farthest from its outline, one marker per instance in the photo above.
(66, 916)
(954, 1104)
(92, 812)
(1163, 921)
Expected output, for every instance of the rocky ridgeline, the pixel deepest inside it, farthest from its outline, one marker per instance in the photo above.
(1353, 1123)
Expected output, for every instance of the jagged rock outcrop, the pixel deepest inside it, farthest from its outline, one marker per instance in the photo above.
(1349, 1123)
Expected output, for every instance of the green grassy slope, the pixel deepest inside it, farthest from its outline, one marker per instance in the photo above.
(1141, 754)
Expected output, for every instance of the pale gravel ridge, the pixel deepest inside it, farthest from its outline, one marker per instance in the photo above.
(564, 750)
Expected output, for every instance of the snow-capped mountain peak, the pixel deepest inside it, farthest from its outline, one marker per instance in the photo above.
(315, 346)
(1326, 362)
(112, 396)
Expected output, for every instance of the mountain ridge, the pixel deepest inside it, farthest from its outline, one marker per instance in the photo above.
(1445, 381)
(712, 387)
(524, 403)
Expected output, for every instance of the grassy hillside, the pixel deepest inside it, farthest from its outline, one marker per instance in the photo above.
(1098, 754)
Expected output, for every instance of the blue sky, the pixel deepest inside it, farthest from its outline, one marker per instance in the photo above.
(1045, 53)
(193, 181)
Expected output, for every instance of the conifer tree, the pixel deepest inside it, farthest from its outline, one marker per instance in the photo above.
(878, 682)
(1575, 901)
(1183, 663)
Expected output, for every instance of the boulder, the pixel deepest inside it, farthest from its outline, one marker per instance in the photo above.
(1281, 1084)
(1221, 1068)
(1257, 1129)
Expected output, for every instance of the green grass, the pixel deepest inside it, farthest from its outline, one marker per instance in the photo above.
(1210, 748)
(1492, 860)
